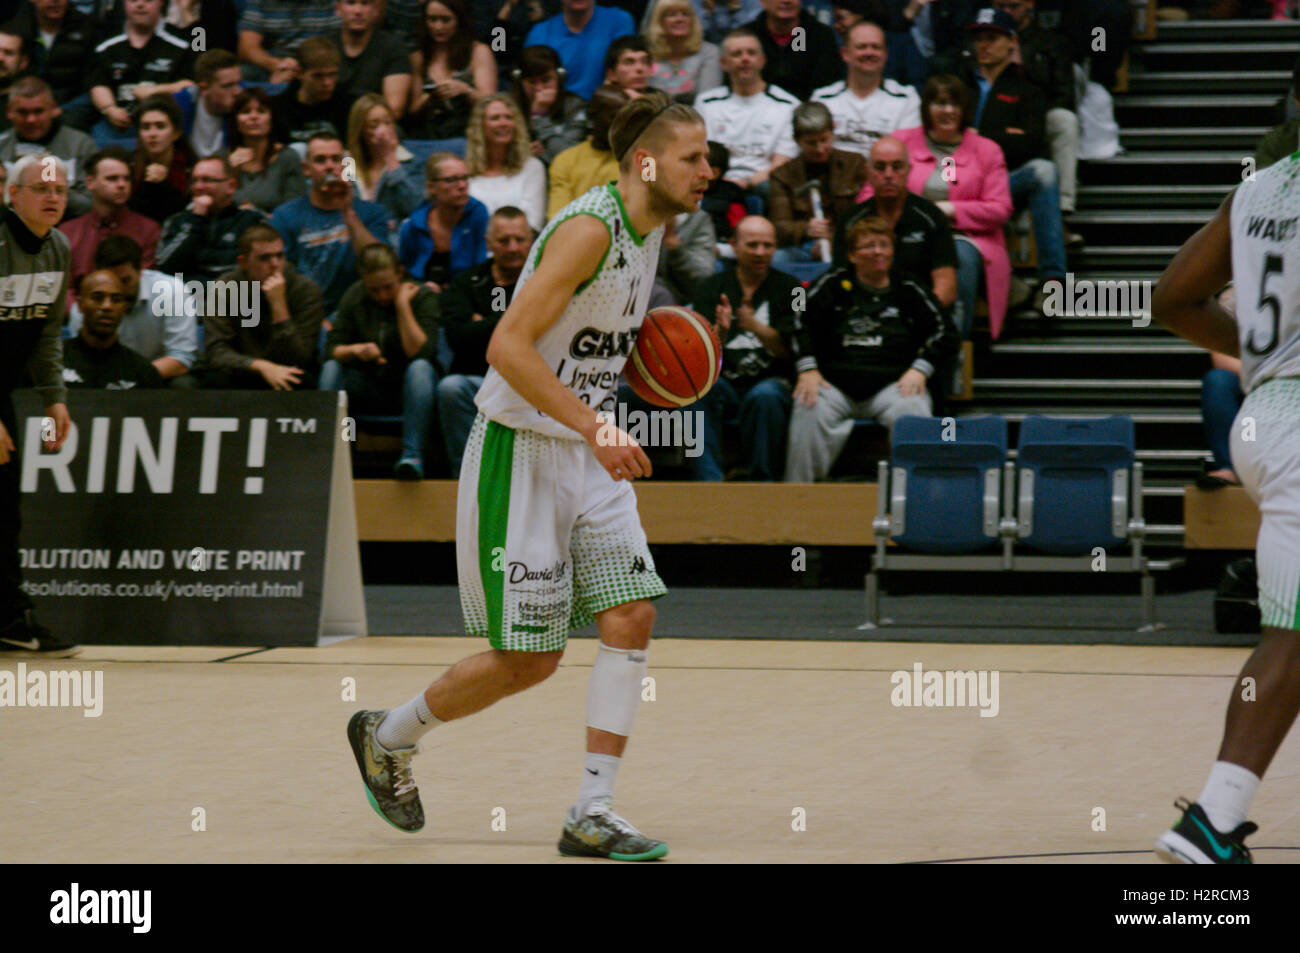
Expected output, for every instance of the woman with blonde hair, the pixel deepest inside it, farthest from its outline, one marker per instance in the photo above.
(502, 168)
(387, 172)
(683, 64)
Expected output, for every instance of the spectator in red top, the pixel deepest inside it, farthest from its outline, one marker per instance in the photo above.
(108, 178)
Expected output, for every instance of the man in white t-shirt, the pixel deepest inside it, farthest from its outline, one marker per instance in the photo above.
(866, 106)
(753, 119)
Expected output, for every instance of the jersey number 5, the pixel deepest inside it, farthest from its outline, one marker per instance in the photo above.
(1272, 265)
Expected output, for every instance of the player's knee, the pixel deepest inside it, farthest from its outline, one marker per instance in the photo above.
(632, 620)
(530, 668)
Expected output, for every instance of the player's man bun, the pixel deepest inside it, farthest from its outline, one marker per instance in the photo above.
(647, 117)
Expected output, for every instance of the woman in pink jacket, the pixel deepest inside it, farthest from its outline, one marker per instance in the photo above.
(965, 175)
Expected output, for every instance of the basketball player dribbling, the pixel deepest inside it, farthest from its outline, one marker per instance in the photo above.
(547, 531)
(1253, 242)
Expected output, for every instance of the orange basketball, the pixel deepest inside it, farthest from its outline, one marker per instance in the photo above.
(676, 360)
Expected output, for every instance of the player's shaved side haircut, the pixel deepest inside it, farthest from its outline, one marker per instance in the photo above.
(647, 121)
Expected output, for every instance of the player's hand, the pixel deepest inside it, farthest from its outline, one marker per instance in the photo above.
(722, 316)
(808, 387)
(282, 377)
(819, 228)
(6, 445)
(620, 455)
(62, 424)
(911, 383)
(369, 352)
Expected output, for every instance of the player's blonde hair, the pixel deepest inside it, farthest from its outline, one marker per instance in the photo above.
(646, 120)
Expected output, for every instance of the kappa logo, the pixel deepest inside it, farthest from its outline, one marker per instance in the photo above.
(638, 564)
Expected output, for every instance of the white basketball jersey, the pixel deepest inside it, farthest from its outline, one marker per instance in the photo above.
(588, 346)
(1266, 272)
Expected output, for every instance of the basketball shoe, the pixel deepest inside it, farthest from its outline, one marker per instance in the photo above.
(602, 833)
(24, 637)
(390, 787)
(1194, 840)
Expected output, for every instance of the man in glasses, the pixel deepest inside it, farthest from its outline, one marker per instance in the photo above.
(447, 234)
(34, 259)
(202, 242)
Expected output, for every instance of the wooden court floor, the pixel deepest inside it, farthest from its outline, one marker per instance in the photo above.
(742, 740)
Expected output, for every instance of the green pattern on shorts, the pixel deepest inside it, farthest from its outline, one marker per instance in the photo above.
(494, 477)
(609, 569)
(1275, 403)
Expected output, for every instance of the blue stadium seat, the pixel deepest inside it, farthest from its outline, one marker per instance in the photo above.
(808, 271)
(1074, 483)
(945, 484)
(423, 148)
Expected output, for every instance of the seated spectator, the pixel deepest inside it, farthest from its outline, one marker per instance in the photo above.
(13, 65)
(387, 173)
(922, 244)
(1012, 111)
(905, 64)
(270, 173)
(202, 242)
(717, 17)
(37, 128)
(471, 307)
(796, 68)
(837, 174)
(864, 348)
(324, 230)
(557, 118)
(752, 307)
(581, 35)
(95, 357)
(687, 255)
(502, 168)
(166, 336)
(60, 42)
(1045, 56)
(271, 31)
(1280, 141)
(725, 200)
(108, 179)
(935, 30)
(149, 58)
(312, 102)
(383, 351)
(588, 164)
(513, 18)
(627, 65)
(278, 351)
(218, 19)
(160, 166)
(866, 105)
(373, 60)
(975, 196)
(450, 73)
(684, 63)
(1221, 399)
(206, 106)
(750, 117)
(445, 235)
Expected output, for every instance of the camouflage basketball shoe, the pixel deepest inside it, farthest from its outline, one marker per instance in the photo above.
(390, 787)
(602, 833)
(1194, 840)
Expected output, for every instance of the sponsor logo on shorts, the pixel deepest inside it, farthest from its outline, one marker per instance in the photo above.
(517, 572)
(638, 564)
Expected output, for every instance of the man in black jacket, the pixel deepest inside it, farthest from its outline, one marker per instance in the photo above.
(802, 62)
(1045, 55)
(202, 242)
(1012, 111)
(865, 346)
(65, 62)
(471, 307)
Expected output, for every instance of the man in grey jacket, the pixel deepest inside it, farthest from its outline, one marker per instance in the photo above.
(34, 260)
(38, 129)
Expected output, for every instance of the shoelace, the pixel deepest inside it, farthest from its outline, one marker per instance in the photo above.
(400, 766)
(615, 820)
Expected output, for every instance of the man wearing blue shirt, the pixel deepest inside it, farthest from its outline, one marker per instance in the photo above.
(581, 35)
(325, 228)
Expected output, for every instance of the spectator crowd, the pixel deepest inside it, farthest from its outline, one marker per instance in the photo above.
(380, 170)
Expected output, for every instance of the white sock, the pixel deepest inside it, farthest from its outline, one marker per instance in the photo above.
(406, 724)
(1227, 795)
(598, 776)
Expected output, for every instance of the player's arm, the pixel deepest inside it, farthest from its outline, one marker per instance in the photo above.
(1184, 299)
(536, 307)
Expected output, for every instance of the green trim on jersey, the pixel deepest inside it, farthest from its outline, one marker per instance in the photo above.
(550, 230)
(631, 229)
(496, 468)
